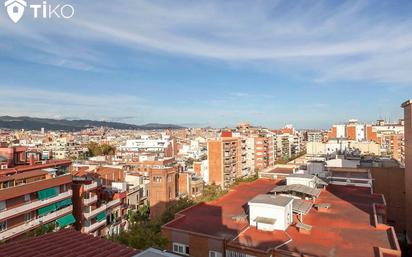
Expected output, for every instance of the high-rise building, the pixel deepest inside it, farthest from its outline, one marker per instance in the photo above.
(407, 107)
(264, 152)
(224, 160)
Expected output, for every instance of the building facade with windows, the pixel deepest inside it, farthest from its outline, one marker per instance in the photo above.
(31, 199)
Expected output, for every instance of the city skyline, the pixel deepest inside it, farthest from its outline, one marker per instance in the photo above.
(209, 64)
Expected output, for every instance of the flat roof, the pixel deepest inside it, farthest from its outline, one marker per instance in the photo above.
(272, 200)
(282, 170)
(216, 218)
(297, 175)
(347, 230)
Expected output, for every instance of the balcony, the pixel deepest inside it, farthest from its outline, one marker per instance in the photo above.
(90, 200)
(90, 186)
(113, 203)
(103, 207)
(34, 223)
(34, 205)
(94, 226)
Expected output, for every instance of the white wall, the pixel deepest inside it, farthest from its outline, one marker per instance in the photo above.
(340, 131)
(279, 213)
(300, 181)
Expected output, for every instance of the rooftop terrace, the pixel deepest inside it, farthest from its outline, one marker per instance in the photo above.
(347, 229)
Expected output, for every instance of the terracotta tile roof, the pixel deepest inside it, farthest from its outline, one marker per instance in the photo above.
(28, 174)
(80, 171)
(112, 174)
(67, 243)
(23, 168)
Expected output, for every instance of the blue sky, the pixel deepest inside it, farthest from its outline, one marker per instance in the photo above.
(199, 63)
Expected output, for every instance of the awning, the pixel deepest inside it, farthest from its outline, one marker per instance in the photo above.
(47, 209)
(101, 216)
(265, 220)
(64, 203)
(66, 220)
(47, 193)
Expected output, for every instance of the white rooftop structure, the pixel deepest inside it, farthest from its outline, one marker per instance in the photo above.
(269, 212)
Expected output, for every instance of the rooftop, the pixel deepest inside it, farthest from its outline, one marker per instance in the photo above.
(298, 175)
(216, 218)
(38, 166)
(67, 243)
(347, 229)
(271, 199)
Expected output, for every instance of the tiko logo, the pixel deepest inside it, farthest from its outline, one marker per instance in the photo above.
(15, 10)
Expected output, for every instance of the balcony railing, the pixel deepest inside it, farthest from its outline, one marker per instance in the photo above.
(94, 226)
(103, 207)
(90, 186)
(34, 205)
(34, 223)
(90, 200)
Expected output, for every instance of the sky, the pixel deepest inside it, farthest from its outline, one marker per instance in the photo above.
(210, 63)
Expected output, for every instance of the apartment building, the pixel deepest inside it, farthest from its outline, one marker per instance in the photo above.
(162, 189)
(314, 136)
(33, 196)
(264, 152)
(100, 207)
(137, 190)
(389, 136)
(224, 160)
(189, 185)
(163, 147)
(407, 108)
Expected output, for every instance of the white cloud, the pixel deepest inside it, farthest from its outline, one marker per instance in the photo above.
(349, 41)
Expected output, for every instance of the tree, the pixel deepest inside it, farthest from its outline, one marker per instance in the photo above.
(211, 193)
(104, 149)
(143, 232)
(43, 229)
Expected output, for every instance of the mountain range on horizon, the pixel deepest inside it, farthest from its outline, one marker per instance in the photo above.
(33, 123)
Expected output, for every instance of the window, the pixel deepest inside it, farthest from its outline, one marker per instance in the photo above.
(157, 179)
(215, 254)
(181, 249)
(27, 197)
(27, 217)
(2, 205)
(3, 225)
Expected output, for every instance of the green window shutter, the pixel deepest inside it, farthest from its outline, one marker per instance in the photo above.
(47, 209)
(47, 193)
(66, 220)
(64, 203)
(101, 216)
